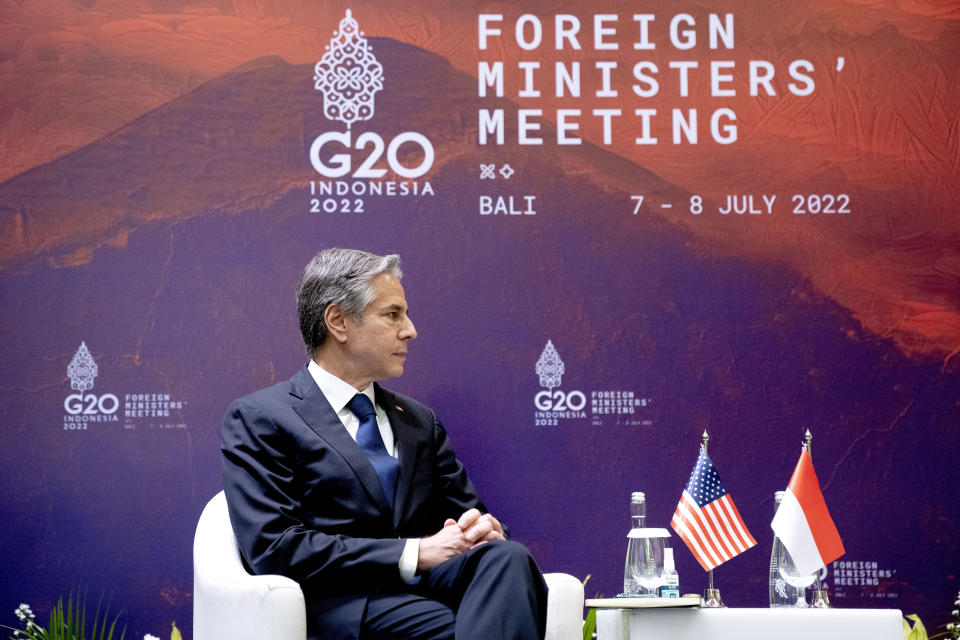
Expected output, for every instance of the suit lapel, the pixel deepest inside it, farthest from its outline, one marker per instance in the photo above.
(312, 406)
(406, 434)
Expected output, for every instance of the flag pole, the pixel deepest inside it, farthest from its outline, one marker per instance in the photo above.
(820, 598)
(711, 597)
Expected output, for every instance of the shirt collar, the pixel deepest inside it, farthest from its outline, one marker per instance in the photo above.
(337, 391)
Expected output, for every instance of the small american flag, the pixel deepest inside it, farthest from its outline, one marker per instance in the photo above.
(707, 520)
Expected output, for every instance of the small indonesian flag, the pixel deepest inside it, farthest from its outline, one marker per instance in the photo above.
(803, 523)
(707, 520)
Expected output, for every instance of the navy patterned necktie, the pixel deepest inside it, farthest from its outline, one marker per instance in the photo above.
(369, 439)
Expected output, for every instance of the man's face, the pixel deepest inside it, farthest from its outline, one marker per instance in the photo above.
(378, 344)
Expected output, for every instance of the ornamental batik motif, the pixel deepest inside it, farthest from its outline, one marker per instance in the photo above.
(348, 75)
(82, 369)
(549, 367)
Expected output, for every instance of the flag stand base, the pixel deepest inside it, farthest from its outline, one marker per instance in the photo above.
(712, 599)
(820, 598)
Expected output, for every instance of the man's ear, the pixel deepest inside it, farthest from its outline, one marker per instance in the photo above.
(336, 321)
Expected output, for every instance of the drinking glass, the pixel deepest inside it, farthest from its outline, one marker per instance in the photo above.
(645, 556)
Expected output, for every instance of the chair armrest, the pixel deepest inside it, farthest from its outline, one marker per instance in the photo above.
(251, 608)
(564, 607)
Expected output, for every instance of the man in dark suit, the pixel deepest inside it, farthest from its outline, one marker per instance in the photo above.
(355, 492)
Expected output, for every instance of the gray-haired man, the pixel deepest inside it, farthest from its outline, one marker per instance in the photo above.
(355, 492)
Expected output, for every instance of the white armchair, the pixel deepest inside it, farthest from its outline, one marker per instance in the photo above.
(228, 602)
(231, 604)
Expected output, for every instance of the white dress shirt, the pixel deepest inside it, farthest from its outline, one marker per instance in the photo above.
(339, 393)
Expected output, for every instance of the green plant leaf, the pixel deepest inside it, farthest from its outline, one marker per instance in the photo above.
(70, 622)
(906, 629)
(590, 624)
(918, 632)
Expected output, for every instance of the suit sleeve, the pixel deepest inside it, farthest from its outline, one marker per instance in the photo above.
(259, 464)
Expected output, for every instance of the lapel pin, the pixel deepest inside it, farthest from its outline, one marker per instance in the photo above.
(399, 408)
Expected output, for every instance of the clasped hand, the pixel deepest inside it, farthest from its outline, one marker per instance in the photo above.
(457, 536)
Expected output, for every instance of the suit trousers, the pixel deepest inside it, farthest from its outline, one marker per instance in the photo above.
(492, 592)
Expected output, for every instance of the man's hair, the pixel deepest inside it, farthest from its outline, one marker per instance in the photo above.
(343, 277)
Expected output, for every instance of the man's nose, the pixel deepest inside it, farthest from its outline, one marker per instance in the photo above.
(409, 332)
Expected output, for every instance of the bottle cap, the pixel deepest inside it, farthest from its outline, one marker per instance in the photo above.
(778, 496)
(638, 496)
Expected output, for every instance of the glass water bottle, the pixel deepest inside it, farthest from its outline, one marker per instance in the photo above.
(786, 588)
(638, 520)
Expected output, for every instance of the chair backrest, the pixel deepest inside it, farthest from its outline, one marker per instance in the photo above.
(215, 553)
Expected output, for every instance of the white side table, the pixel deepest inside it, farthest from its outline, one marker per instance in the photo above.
(748, 624)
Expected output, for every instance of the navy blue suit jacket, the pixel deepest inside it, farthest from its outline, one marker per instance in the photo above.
(305, 502)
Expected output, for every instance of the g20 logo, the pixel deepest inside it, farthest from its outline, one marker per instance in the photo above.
(341, 164)
(91, 404)
(558, 400)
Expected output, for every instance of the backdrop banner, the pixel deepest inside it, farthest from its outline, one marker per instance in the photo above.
(621, 225)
